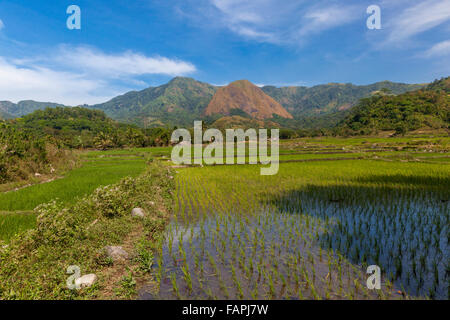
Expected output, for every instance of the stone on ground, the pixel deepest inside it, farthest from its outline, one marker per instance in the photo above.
(138, 212)
(86, 281)
(116, 253)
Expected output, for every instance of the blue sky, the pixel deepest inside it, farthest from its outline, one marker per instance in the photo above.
(132, 44)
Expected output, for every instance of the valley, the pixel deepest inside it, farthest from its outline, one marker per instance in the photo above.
(304, 218)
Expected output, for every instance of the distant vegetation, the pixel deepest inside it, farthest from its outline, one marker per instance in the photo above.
(179, 102)
(85, 128)
(22, 108)
(23, 153)
(40, 142)
(428, 107)
(183, 100)
(305, 102)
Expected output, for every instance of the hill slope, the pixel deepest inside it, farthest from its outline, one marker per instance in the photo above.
(25, 107)
(428, 107)
(304, 102)
(183, 100)
(245, 96)
(4, 115)
(179, 102)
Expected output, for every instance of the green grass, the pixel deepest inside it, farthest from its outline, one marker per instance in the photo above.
(302, 194)
(75, 184)
(34, 265)
(13, 223)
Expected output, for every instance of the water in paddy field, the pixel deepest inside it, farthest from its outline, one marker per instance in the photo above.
(313, 243)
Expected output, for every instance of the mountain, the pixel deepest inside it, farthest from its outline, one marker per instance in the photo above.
(425, 108)
(245, 96)
(179, 102)
(5, 115)
(24, 107)
(183, 100)
(304, 102)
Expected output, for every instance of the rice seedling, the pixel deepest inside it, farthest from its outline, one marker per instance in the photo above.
(311, 231)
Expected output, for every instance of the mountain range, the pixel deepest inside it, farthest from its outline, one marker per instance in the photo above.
(15, 110)
(183, 100)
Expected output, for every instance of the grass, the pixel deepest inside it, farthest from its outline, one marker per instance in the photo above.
(308, 232)
(34, 264)
(75, 184)
(94, 172)
(13, 223)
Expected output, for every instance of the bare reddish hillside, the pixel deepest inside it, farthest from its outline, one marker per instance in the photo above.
(247, 97)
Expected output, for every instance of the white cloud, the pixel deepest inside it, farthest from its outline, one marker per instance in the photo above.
(418, 18)
(324, 18)
(43, 84)
(439, 49)
(275, 22)
(124, 64)
(2, 25)
(80, 75)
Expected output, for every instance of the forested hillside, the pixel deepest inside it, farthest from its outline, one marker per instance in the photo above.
(25, 107)
(179, 102)
(41, 141)
(303, 102)
(183, 100)
(428, 107)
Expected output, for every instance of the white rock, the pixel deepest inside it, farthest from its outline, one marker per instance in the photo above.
(116, 253)
(37, 174)
(138, 212)
(86, 281)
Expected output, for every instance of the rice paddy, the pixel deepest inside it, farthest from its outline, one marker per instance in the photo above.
(335, 207)
(17, 206)
(309, 232)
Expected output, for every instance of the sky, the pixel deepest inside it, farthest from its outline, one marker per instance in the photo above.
(128, 45)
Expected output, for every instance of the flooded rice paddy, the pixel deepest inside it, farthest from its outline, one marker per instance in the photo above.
(291, 237)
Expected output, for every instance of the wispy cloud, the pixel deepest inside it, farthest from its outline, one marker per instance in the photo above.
(439, 49)
(80, 75)
(2, 25)
(280, 23)
(417, 19)
(124, 64)
(323, 18)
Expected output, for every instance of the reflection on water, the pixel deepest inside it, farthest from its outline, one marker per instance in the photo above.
(313, 243)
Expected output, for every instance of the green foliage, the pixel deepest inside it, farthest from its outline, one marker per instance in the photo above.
(76, 183)
(34, 265)
(429, 107)
(85, 128)
(23, 152)
(184, 100)
(12, 223)
(304, 102)
(25, 107)
(179, 102)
